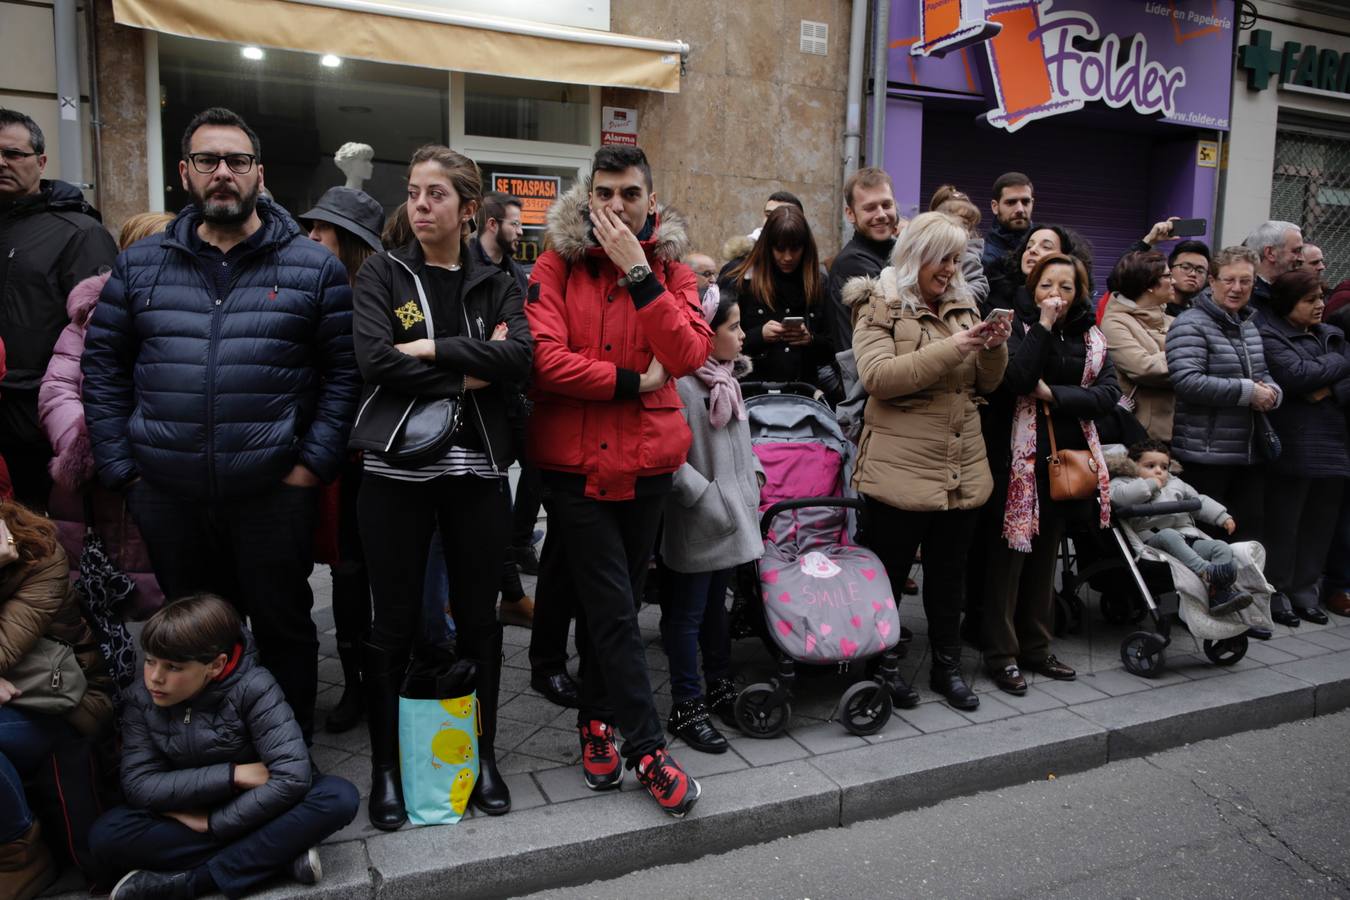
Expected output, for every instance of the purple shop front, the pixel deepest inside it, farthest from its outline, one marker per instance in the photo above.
(1114, 108)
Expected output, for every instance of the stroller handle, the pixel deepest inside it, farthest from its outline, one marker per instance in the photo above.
(798, 388)
(1167, 508)
(805, 502)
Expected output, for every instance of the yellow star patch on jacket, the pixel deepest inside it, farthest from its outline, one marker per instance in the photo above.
(409, 314)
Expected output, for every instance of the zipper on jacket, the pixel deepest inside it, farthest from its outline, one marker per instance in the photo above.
(187, 716)
(478, 414)
(4, 272)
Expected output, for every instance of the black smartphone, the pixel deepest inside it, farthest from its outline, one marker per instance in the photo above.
(1189, 227)
(794, 322)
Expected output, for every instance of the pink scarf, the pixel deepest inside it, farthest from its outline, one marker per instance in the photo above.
(724, 400)
(1021, 516)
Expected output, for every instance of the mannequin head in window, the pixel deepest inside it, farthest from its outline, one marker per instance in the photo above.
(355, 162)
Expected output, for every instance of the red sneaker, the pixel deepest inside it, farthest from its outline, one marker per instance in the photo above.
(669, 785)
(600, 760)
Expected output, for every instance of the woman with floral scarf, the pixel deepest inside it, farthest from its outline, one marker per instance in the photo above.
(1059, 376)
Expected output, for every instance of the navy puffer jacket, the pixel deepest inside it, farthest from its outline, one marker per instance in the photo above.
(182, 757)
(1312, 433)
(210, 398)
(1213, 359)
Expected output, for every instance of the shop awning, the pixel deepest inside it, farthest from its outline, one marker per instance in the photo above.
(420, 36)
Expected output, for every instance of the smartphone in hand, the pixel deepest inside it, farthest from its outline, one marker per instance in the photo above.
(794, 323)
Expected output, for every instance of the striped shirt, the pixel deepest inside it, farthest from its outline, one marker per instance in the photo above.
(456, 461)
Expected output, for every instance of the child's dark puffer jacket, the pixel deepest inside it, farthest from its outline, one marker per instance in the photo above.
(182, 758)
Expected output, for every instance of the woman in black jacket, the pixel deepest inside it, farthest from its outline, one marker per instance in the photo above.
(1059, 376)
(1007, 280)
(784, 308)
(432, 322)
(1305, 482)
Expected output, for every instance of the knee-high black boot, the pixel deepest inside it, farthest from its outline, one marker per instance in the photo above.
(382, 676)
(351, 615)
(490, 794)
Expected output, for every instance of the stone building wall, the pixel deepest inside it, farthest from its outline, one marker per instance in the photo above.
(754, 114)
(123, 182)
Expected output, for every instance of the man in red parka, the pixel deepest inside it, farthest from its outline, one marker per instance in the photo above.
(615, 318)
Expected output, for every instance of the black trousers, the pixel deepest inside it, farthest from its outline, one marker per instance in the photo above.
(555, 604)
(1242, 489)
(351, 589)
(895, 534)
(525, 512)
(397, 521)
(257, 552)
(124, 839)
(606, 548)
(1301, 516)
(27, 465)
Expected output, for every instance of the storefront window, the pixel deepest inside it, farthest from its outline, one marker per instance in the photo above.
(535, 186)
(526, 110)
(303, 109)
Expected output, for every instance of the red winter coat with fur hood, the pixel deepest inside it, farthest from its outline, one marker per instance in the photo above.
(592, 341)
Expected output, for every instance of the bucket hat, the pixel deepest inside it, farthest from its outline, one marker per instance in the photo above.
(354, 210)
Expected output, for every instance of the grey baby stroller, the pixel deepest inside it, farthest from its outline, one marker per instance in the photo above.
(822, 599)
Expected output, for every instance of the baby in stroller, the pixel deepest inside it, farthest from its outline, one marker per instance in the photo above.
(1176, 534)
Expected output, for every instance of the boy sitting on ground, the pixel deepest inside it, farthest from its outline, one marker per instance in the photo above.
(215, 770)
(1176, 534)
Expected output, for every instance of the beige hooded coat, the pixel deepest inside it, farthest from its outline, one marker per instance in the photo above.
(921, 447)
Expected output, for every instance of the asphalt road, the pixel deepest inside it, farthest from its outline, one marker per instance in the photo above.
(1263, 814)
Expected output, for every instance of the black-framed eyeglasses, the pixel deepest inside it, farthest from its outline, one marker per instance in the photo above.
(207, 163)
(1192, 269)
(15, 155)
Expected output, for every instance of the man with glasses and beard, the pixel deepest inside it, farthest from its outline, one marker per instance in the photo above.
(219, 388)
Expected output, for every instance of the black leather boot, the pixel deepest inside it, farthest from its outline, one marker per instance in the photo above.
(946, 679)
(689, 721)
(351, 705)
(351, 615)
(382, 677)
(721, 700)
(490, 793)
(902, 695)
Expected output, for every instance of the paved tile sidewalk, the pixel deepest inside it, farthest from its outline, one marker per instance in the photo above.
(539, 752)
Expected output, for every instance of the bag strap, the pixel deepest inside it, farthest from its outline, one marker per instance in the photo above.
(1050, 429)
(88, 499)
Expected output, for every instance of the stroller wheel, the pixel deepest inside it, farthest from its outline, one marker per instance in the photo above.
(865, 707)
(1142, 654)
(758, 713)
(1226, 652)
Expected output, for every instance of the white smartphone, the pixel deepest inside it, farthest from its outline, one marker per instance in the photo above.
(999, 315)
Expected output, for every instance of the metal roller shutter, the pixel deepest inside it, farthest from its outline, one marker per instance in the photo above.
(1092, 180)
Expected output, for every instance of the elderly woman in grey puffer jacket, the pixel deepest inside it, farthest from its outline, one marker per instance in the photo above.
(711, 526)
(1216, 360)
(220, 791)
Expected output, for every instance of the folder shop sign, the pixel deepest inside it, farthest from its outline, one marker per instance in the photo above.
(1032, 59)
(536, 193)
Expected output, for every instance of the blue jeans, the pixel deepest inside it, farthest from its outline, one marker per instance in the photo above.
(695, 617)
(124, 839)
(25, 742)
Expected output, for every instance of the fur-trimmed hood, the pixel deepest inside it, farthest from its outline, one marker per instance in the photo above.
(84, 297)
(569, 233)
(860, 291)
(738, 246)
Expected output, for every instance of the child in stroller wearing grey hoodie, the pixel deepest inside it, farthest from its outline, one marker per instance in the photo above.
(1176, 534)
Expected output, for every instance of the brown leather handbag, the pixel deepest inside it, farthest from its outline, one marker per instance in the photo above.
(1073, 473)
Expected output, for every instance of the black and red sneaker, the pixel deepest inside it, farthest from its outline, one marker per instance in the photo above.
(672, 787)
(600, 760)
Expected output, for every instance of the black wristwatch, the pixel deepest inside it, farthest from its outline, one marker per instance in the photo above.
(638, 274)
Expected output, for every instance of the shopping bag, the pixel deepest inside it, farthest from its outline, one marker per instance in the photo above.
(438, 739)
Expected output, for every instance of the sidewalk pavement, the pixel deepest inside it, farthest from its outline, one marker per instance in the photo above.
(817, 775)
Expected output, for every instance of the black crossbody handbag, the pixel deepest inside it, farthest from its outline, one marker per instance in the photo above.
(408, 432)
